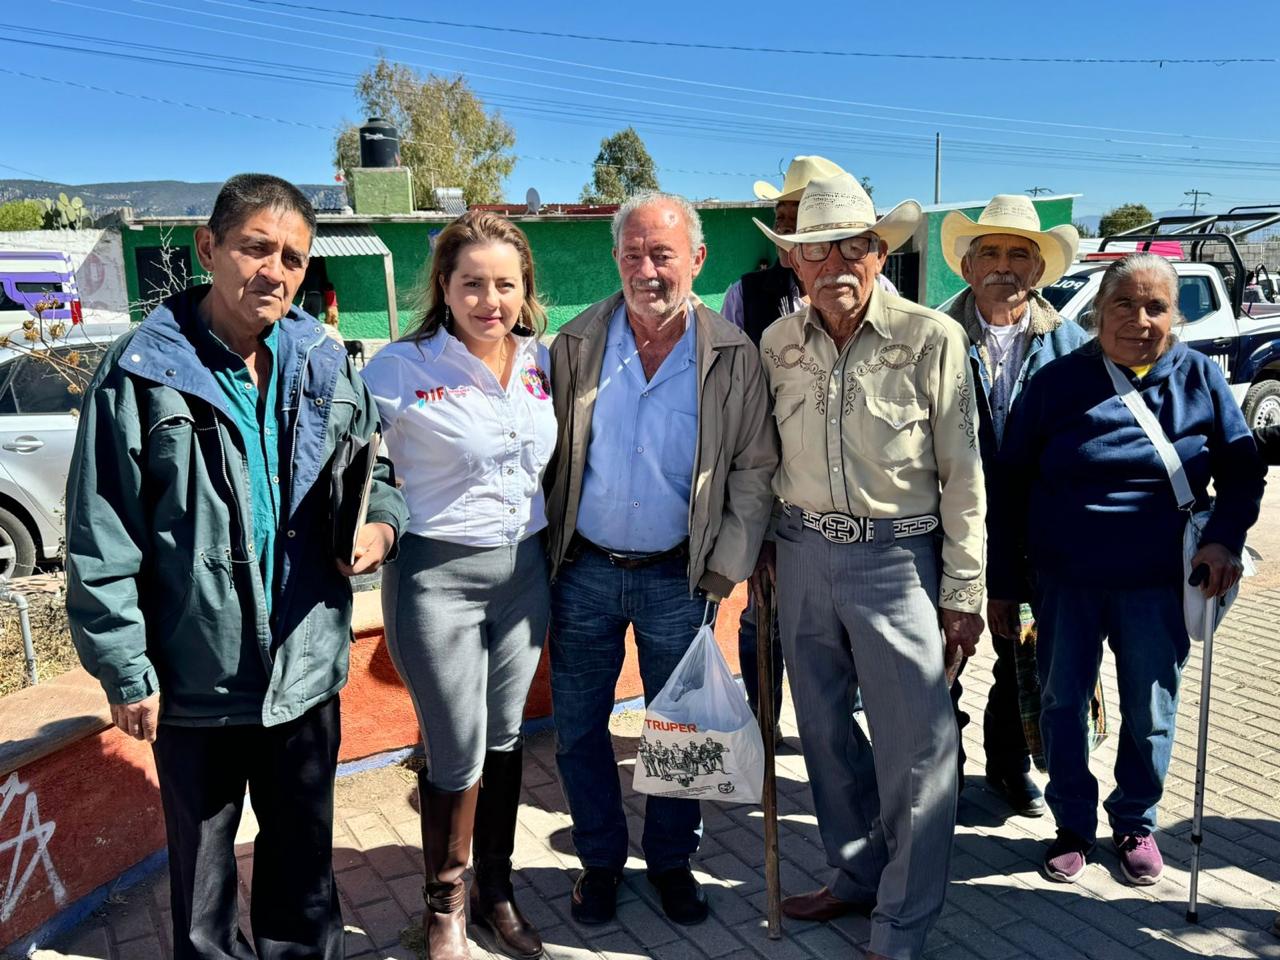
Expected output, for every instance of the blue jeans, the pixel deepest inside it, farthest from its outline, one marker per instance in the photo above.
(1148, 636)
(592, 603)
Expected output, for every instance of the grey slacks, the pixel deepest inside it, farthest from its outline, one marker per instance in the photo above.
(465, 628)
(864, 615)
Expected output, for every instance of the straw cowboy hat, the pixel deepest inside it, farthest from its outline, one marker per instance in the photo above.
(1015, 216)
(836, 207)
(801, 171)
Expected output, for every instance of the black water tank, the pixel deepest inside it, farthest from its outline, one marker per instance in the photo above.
(379, 144)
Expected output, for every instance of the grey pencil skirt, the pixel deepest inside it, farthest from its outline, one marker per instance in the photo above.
(465, 628)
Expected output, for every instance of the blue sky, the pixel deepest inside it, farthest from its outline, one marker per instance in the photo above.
(714, 120)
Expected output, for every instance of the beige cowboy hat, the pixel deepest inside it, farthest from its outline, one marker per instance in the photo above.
(1013, 215)
(837, 206)
(801, 171)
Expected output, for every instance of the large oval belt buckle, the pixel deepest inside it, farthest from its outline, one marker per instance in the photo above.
(839, 528)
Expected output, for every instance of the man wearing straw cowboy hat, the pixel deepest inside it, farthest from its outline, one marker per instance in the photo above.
(1013, 332)
(879, 524)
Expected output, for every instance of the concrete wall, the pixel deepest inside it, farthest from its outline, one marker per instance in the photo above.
(572, 256)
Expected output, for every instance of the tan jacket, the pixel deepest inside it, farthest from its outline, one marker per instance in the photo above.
(733, 464)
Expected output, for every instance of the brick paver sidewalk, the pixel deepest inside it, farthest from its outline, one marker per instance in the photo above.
(998, 907)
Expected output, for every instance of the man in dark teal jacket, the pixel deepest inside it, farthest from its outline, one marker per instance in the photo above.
(1013, 334)
(202, 587)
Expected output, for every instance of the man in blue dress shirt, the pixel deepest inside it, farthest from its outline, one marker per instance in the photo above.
(657, 499)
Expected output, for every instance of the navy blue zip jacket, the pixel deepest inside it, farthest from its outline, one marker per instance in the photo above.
(1083, 493)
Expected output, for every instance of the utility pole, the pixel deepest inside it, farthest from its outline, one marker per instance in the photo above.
(937, 168)
(1036, 191)
(1195, 196)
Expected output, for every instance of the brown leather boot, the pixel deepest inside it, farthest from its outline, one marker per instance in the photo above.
(493, 905)
(448, 819)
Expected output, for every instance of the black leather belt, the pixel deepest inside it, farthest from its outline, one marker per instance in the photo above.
(843, 528)
(634, 561)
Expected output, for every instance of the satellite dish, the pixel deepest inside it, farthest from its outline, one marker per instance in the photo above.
(533, 200)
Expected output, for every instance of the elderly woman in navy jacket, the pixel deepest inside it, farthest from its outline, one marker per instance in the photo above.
(1087, 502)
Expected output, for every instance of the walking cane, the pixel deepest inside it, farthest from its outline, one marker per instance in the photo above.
(764, 684)
(1198, 576)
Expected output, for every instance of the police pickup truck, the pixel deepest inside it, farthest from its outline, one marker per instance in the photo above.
(1242, 338)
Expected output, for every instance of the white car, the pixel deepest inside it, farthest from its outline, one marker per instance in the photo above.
(38, 416)
(1246, 345)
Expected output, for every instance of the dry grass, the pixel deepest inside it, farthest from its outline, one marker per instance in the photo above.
(54, 653)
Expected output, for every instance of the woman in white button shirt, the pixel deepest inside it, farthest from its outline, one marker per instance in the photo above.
(468, 419)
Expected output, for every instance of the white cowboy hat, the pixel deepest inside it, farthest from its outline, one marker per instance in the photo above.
(1013, 215)
(801, 171)
(836, 207)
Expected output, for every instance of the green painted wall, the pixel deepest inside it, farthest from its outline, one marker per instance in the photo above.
(574, 262)
(940, 282)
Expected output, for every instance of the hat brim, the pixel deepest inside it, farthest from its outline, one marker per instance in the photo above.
(1057, 245)
(765, 190)
(895, 228)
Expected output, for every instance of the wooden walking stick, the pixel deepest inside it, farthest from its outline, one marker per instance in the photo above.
(764, 681)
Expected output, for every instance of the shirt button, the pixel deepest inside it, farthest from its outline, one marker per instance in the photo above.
(833, 419)
(248, 386)
(291, 534)
(835, 469)
(639, 449)
(510, 470)
(645, 394)
(635, 503)
(512, 434)
(275, 479)
(512, 510)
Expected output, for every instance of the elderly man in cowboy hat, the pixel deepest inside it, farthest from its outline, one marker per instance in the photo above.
(879, 541)
(1013, 332)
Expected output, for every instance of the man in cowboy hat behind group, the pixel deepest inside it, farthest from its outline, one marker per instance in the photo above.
(879, 523)
(1013, 332)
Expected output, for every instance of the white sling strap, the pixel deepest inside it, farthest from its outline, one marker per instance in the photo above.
(1155, 433)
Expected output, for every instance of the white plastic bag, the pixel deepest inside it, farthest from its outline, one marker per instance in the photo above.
(700, 740)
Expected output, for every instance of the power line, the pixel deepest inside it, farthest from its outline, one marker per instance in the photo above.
(845, 135)
(1185, 138)
(736, 48)
(1199, 163)
(752, 91)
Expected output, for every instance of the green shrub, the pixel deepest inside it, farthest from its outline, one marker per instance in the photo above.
(22, 215)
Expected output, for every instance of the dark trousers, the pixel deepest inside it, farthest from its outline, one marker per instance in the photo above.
(748, 659)
(289, 770)
(1002, 737)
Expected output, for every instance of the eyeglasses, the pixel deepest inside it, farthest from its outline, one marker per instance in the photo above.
(851, 248)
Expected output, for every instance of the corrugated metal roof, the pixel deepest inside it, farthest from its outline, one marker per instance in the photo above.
(343, 240)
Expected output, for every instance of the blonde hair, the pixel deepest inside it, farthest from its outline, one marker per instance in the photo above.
(473, 227)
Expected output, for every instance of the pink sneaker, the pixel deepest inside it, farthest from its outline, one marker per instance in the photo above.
(1066, 857)
(1139, 858)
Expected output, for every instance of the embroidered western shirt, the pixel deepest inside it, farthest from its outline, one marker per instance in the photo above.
(470, 454)
(884, 427)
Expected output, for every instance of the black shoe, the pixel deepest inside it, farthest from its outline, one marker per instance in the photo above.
(1019, 791)
(595, 895)
(682, 898)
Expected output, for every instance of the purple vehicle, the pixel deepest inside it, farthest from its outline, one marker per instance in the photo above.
(27, 278)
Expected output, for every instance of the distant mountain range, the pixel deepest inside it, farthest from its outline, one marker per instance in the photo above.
(155, 198)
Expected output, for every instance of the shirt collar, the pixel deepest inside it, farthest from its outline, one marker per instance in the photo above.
(1021, 324)
(620, 329)
(874, 315)
(436, 343)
